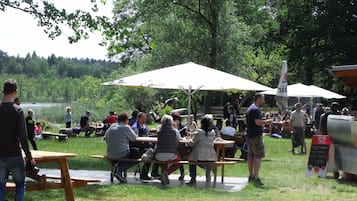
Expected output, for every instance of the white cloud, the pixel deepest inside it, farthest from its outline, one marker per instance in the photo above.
(19, 34)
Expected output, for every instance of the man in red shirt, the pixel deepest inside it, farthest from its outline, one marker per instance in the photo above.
(112, 118)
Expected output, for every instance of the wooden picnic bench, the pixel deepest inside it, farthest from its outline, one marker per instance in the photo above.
(58, 136)
(214, 165)
(112, 163)
(41, 182)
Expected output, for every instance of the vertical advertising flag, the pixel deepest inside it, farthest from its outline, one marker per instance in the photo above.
(282, 92)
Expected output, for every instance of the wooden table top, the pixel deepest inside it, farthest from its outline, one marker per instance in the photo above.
(154, 140)
(48, 155)
(146, 139)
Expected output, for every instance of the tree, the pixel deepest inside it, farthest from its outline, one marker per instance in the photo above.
(209, 32)
(50, 18)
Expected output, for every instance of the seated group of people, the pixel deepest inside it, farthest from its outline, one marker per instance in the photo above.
(121, 142)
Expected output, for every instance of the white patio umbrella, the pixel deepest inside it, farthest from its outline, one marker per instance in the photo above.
(189, 77)
(295, 90)
(300, 90)
(324, 93)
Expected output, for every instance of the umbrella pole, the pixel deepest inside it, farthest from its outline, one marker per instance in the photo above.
(189, 103)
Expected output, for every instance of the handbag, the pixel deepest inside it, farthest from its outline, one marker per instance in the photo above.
(148, 156)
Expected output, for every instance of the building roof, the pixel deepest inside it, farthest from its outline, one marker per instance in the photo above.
(347, 74)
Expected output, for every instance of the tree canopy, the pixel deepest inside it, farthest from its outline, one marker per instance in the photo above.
(245, 38)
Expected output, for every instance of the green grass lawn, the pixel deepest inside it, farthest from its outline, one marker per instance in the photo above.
(282, 173)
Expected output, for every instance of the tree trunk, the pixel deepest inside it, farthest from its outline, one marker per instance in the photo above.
(213, 51)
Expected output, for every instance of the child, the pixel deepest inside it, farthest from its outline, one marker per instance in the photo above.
(38, 131)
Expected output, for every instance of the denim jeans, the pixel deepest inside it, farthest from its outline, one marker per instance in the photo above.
(16, 166)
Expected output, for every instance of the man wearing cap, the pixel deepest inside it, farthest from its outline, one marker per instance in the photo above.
(13, 138)
(68, 117)
(335, 106)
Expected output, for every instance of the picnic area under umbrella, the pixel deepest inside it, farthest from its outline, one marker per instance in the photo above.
(189, 77)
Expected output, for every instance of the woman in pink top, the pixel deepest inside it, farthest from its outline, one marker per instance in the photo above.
(38, 131)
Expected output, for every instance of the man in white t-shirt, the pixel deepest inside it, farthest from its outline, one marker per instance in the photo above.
(297, 120)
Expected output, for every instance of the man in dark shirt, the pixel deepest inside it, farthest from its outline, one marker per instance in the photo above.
(13, 137)
(254, 138)
(84, 123)
(323, 120)
(133, 117)
(318, 113)
(30, 125)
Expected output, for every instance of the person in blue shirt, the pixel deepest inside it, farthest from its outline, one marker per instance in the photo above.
(255, 124)
(133, 117)
(141, 130)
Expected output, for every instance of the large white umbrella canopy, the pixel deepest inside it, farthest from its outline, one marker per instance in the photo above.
(190, 77)
(324, 93)
(295, 90)
(300, 90)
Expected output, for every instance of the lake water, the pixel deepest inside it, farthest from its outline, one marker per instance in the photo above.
(38, 106)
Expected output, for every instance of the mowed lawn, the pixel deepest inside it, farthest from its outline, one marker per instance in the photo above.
(282, 173)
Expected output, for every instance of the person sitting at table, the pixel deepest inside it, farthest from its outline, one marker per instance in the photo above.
(191, 125)
(277, 117)
(166, 149)
(214, 127)
(141, 130)
(232, 117)
(203, 149)
(133, 117)
(85, 124)
(117, 138)
(38, 131)
(181, 148)
(229, 130)
(228, 133)
(112, 118)
(180, 127)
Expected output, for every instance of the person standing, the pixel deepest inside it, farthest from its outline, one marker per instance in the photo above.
(255, 125)
(318, 113)
(335, 106)
(68, 117)
(30, 125)
(12, 140)
(297, 120)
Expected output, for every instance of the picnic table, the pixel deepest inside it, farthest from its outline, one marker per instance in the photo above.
(66, 182)
(61, 159)
(218, 144)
